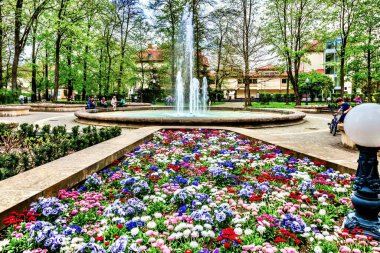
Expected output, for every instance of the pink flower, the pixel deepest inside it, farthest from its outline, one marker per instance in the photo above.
(344, 249)
(149, 233)
(138, 241)
(356, 251)
(142, 248)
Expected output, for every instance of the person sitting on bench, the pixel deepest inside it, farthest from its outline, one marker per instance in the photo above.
(103, 102)
(90, 103)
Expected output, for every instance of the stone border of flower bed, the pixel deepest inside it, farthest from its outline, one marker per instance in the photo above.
(20, 191)
(12, 111)
(282, 117)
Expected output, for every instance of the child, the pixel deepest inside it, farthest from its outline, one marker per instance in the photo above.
(344, 108)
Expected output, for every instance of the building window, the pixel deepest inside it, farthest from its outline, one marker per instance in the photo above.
(240, 80)
(284, 80)
(345, 88)
(253, 81)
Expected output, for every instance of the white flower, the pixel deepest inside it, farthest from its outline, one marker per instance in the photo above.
(317, 249)
(137, 218)
(329, 238)
(151, 224)
(238, 231)
(194, 244)
(157, 215)
(145, 218)
(134, 231)
(261, 229)
(198, 227)
(248, 231)
(195, 234)
(3, 244)
(211, 234)
(204, 233)
(319, 237)
(321, 199)
(322, 212)
(179, 235)
(208, 226)
(186, 233)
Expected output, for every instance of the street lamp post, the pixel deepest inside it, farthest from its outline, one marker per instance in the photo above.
(307, 90)
(362, 125)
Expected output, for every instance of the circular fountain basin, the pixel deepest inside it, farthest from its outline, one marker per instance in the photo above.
(166, 116)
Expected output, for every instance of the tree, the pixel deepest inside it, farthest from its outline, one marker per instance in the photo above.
(168, 15)
(348, 11)
(246, 38)
(127, 11)
(364, 49)
(319, 84)
(220, 20)
(289, 30)
(22, 30)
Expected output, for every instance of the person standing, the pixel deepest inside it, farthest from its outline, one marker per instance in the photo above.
(21, 99)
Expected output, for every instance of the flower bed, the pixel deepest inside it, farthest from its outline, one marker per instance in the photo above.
(195, 191)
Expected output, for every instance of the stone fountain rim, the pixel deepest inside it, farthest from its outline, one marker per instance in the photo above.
(283, 116)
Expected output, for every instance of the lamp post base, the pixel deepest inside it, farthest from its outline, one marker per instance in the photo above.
(370, 227)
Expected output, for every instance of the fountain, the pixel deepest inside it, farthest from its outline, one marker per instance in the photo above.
(185, 82)
(191, 98)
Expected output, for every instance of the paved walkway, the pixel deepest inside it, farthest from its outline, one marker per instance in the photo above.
(311, 138)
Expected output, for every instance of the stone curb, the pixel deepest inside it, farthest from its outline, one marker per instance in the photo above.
(19, 191)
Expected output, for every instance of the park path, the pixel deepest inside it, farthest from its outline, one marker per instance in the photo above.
(311, 137)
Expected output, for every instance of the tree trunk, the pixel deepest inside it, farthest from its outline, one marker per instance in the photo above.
(172, 63)
(85, 73)
(46, 75)
(17, 43)
(34, 65)
(56, 70)
(341, 71)
(287, 92)
(100, 72)
(86, 51)
(70, 79)
(1, 45)
(369, 62)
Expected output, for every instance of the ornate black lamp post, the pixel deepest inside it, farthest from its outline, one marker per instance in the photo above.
(362, 125)
(307, 90)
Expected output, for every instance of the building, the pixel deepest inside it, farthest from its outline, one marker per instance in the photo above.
(271, 79)
(153, 68)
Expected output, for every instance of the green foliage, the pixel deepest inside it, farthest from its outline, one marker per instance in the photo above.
(265, 98)
(46, 145)
(7, 96)
(318, 83)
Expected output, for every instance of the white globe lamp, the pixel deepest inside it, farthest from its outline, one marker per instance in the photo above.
(362, 125)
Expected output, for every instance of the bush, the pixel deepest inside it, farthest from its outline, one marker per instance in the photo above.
(278, 97)
(37, 148)
(377, 97)
(265, 98)
(7, 96)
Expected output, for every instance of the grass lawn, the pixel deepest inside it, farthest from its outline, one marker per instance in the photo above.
(282, 105)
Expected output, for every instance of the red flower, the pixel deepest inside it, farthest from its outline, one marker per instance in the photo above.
(120, 226)
(99, 238)
(219, 238)
(106, 243)
(227, 245)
